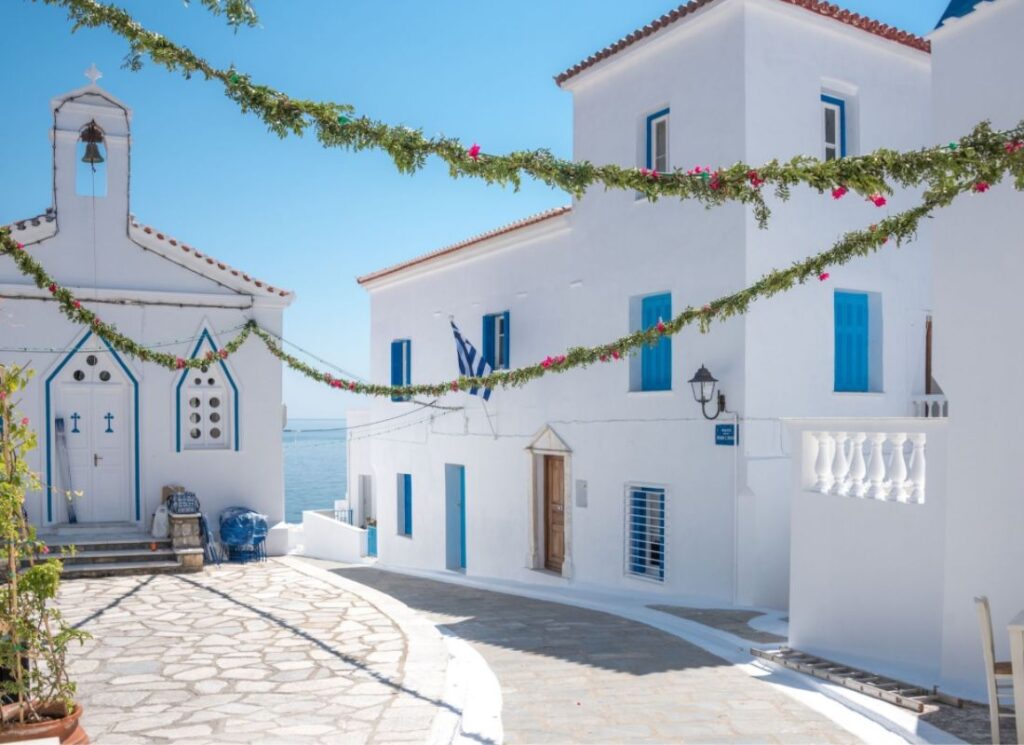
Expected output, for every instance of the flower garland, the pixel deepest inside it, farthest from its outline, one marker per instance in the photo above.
(898, 227)
(336, 125)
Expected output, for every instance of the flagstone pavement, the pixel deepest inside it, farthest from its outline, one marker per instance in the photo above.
(261, 653)
(286, 652)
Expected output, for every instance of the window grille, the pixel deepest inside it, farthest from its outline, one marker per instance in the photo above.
(206, 410)
(645, 532)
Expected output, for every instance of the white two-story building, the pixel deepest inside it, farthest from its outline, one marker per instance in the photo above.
(612, 476)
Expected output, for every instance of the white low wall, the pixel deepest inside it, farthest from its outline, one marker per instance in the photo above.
(324, 537)
(867, 573)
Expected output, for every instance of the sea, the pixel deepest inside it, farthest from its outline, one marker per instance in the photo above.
(314, 465)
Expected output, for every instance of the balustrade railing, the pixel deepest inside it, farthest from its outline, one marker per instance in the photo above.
(888, 466)
(932, 406)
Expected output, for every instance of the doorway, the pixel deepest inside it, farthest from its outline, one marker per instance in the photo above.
(554, 512)
(455, 516)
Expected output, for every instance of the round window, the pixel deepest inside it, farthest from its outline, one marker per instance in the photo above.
(195, 434)
(104, 376)
(215, 417)
(79, 375)
(211, 381)
(194, 418)
(198, 381)
(214, 402)
(91, 360)
(194, 403)
(215, 433)
(205, 368)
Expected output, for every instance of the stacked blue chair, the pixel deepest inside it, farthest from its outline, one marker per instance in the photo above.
(243, 533)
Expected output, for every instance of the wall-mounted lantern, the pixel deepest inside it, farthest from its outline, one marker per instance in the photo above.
(703, 384)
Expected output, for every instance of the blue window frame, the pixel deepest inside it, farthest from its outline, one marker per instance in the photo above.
(656, 359)
(401, 365)
(645, 545)
(834, 127)
(656, 148)
(852, 338)
(404, 488)
(497, 339)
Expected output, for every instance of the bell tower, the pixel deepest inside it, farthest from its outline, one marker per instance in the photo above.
(91, 157)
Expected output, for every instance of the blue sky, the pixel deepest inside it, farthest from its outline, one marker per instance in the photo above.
(288, 211)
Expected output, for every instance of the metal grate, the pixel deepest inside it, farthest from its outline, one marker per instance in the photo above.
(645, 532)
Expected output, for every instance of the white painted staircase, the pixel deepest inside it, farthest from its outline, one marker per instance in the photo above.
(109, 550)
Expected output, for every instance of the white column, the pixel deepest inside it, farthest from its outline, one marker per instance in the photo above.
(840, 465)
(898, 467)
(917, 468)
(876, 467)
(858, 468)
(823, 462)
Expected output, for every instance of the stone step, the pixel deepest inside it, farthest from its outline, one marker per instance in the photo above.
(119, 555)
(137, 543)
(71, 529)
(120, 569)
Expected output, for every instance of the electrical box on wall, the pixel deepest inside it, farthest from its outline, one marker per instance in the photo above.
(581, 493)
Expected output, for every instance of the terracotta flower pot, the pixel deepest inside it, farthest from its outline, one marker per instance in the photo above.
(67, 729)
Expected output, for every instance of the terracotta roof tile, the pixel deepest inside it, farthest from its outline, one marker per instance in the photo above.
(448, 250)
(828, 10)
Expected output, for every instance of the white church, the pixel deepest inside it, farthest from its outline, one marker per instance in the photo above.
(131, 428)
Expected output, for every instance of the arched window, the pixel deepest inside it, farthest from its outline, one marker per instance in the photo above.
(91, 165)
(207, 403)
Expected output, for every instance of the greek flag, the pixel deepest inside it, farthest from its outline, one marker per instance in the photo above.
(471, 363)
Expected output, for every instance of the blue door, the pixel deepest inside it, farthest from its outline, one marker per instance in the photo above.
(851, 334)
(455, 516)
(371, 540)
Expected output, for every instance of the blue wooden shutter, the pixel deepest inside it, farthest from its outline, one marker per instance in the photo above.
(407, 502)
(396, 366)
(488, 340)
(506, 342)
(656, 360)
(637, 532)
(851, 330)
(407, 373)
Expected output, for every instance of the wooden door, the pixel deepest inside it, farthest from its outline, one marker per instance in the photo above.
(554, 512)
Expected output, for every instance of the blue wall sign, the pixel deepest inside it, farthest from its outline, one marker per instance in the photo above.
(725, 434)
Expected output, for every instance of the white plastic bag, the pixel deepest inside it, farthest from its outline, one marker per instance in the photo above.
(161, 525)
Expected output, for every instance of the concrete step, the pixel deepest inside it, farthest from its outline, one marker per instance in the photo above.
(71, 529)
(131, 555)
(120, 569)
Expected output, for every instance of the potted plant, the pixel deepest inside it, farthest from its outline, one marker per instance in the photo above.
(36, 693)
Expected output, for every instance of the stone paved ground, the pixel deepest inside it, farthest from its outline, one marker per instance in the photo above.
(262, 653)
(573, 675)
(734, 621)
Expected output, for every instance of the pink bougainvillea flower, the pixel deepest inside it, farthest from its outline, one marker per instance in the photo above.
(223, 354)
(823, 276)
(352, 386)
(77, 305)
(981, 187)
(560, 359)
(615, 354)
(179, 363)
(877, 199)
(661, 327)
(53, 288)
(547, 362)
(455, 385)
(24, 421)
(839, 192)
(474, 152)
(755, 179)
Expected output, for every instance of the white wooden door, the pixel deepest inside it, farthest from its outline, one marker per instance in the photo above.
(94, 399)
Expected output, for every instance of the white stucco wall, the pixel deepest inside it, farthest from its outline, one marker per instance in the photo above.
(979, 259)
(156, 301)
(568, 281)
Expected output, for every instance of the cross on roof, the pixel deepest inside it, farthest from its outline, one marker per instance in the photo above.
(93, 73)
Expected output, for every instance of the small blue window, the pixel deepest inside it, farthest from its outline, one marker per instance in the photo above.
(404, 488)
(656, 359)
(496, 340)
(834, 132)
(852, 327)
(645, 546)
(657, 141)
(401, 365)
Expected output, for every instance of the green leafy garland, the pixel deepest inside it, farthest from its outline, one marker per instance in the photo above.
(336, 125)
(987, 160)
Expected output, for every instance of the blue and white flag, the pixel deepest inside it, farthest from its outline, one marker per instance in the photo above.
(471, 363)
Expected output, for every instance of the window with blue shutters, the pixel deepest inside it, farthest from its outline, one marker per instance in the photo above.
(654, 372)
(401, 365)
(656, 146)
(404, 503)
(833, 111)
(496, 339)
(852, 341)
(645, 532)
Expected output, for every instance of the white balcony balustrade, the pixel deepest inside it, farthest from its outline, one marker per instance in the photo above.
(931, 406)
(888, 466)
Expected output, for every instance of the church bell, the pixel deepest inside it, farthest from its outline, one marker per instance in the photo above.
(92, 154)
(92, 136)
